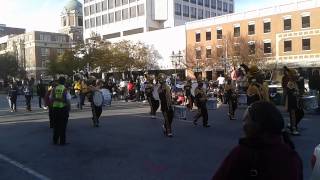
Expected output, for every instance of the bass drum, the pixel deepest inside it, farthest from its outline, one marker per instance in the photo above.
(155, 92)
(107, 96)
(193, 88)
(98, 98)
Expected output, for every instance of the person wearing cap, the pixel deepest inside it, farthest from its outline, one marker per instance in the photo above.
(61, 106)
(166, 105)
(256, 91)
(266, 152)
(201, 102)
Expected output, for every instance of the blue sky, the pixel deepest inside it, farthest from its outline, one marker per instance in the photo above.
(45, 14)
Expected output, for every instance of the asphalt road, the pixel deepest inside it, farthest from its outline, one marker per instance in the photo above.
(129, 145)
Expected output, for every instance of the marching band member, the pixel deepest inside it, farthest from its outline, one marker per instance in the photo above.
(232, 99)
(154, 104)
(189, 97)
(96, 109)
(166, 105)
(201, 102)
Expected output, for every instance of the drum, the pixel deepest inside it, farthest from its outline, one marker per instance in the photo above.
(212, 104)
(107, 97)
(180, 112)
(98, 98)
(242, 99)
(310, 103)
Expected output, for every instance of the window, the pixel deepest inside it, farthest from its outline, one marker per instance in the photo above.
(132, 1)
(185, 11)
(306, 44)
(125, 14)
(305, 21)
(200, 13)
(44, 51)
(98, 7)
(267, 47)
(92, 9)
(86, 24)
(193, 1)
(213, 4)
(208, 35)
(236, 31)
(207, 3)
(186, 0)
(207, 15)
(177, 9)
(111, 17)
(236, 48)
(225, 7)
(124, 2)
(98, 19)
(140, 9)
(267, 27)
(287, 45)
(104, 19)
(230, 8)
(86, 11)
(208, 53)
(118, 16)
(219, 51)
(287, 24)
(219, 5)
(198, 53)
(213, 14)
(133, 12)
(111, 4)
(198, 37)
(104, 5)
(219, 34)
(80, 21)
(193, 12)
(200, 2)
(252, 48)
(60, 51)
(93, 22)
(118, 3)
(251, 29)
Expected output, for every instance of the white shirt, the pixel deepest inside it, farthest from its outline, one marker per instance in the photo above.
(221, 80)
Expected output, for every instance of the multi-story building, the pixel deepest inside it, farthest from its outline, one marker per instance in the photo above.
(4, 30)
(116, 18)
(34, 49)
(285, 34)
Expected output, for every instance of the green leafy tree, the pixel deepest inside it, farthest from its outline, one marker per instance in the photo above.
(9, 67)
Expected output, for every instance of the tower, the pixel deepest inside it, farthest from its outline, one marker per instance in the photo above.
(72, 21)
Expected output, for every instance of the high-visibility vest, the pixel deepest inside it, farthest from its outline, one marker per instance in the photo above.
(59, 94)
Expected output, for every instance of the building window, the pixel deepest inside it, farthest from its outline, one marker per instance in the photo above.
(111, 4)
(207, 3)
(198, 37)
(208, 35)
(92, 9)
(80, 21)
(236, 31)
(131, 1)
(86, 24)
(185, 11)
(200, 13)
(98, 19)
(177, 9)
(193, 1)
(193, 12)
(140, 9)
(287, 24)
(60, 51)
(305, 21)
(267, 27)
(86, 11)
(93, 22)
(118, 3)
(225, 7)
(251, 29)
(104, 19)
(98, 7)
(230, 8)
(118, 16)
(207, 15)
(287, 46)
(219, 5)
(104, 5)
(213, 4)
(219, 34)
(125, 14)
(133, 12)
(198, 54)
(213, 14)
(124, 2)
(111, 17)
(209, 53)
(200, 2)
(252, 48)
(236, 48)
(44, 52)
(306, 44)
(267, 47)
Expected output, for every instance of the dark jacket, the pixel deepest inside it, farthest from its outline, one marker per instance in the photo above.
(273, 160)
(13, 92)
(41, 90)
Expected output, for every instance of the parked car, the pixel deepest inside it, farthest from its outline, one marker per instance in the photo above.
(315, 163)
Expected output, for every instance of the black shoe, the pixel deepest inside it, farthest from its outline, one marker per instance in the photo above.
(206, 126)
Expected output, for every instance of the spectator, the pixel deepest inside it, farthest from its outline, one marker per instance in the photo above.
(266, 152)
(41, 92)
(28, 93)
(12, 97)
(221, 80)
(314, 83)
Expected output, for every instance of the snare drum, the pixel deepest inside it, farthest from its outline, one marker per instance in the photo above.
(180, 112)
(212, 104)
(98, 98)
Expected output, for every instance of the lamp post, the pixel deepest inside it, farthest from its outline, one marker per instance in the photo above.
(176, 60)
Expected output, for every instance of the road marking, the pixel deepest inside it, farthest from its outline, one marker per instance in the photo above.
(24, 168)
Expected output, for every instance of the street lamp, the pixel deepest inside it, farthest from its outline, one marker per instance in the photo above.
(176, 60)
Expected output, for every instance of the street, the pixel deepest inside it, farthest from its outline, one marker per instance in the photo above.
(128, 145)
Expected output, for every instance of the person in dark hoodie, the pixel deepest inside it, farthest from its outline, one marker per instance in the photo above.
(266, 152)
